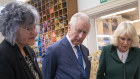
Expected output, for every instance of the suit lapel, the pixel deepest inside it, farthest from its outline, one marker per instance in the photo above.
(131, 55)
(23, 62)
(114, 54)
(87, 62)
(84, 56)
(70, 52)
(33, 59)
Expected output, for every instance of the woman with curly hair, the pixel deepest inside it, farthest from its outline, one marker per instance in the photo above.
(18, 22)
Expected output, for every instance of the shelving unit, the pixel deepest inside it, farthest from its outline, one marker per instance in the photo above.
(55, 15)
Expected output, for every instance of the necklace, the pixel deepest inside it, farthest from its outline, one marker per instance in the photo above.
(122, 58)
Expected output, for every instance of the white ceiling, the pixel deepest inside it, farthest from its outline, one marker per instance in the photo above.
(3, 2)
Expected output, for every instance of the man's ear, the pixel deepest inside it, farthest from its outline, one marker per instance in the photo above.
(69, 28)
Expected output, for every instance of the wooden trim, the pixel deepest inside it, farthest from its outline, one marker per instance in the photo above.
(71, 8)
(108, 6)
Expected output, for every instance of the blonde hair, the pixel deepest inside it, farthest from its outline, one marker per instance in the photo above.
(125, 28)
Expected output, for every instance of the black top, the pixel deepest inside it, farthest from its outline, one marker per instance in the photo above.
(13, 64)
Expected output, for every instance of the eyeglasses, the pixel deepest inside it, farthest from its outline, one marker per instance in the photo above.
(29, 29)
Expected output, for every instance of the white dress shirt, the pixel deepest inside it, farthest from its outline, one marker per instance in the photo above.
(123, 55)
(75, 51)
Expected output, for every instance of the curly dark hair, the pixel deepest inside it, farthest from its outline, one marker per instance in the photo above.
(13, 16)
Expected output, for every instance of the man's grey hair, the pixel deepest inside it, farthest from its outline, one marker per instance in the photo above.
(13, 16)
(79, 16)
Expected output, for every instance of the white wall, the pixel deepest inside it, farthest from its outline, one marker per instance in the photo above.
(3, 2)
(86, 4)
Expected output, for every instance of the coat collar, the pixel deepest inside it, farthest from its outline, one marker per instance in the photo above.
(33, 59)
(114, 54)
(131, 54)
(86, 59)
(72, 55)
(70, 52)
(21, 59)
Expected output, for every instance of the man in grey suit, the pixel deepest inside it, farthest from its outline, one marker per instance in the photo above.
(68, 58)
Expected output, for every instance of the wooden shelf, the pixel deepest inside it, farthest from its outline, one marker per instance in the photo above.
(54, 18)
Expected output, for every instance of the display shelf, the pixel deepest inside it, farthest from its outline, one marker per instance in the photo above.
(54, 18)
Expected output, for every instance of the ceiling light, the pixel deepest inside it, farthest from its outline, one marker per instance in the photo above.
(120, 12)
(135, 21)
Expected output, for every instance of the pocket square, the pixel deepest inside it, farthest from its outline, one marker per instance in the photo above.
(89, 58)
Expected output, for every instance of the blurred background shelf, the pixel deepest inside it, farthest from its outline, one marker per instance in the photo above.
(54, 15)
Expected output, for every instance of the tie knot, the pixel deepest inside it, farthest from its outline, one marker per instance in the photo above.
(77, 47)
(78, 50)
